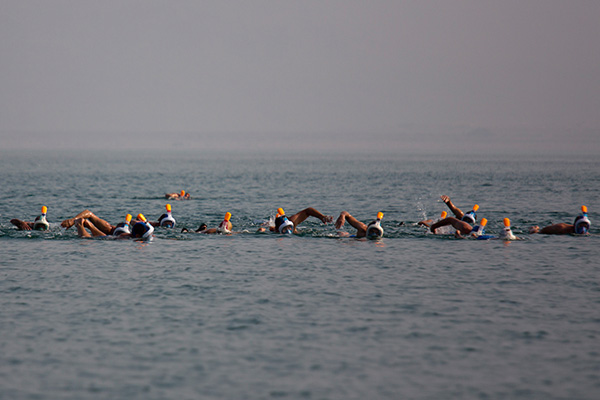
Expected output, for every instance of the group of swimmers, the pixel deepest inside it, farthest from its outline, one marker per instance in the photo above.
(90, 225)
(462, 224)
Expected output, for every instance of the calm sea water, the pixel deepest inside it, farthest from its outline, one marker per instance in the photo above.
(312, 316)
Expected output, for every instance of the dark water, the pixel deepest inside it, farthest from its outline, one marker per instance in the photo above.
(312, 316)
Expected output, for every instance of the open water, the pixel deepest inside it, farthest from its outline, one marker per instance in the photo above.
(311, 316)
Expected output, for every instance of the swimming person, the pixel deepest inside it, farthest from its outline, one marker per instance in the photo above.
(97, 226)
(165, 220)
(202, 227)
(142, 229)
(39, 224)
(225, 227)
(100, 224)
(462, 227)
(580, 226)
(286, 225)
(470, 217)
(506, 233)
(178, 196)
(371, 230)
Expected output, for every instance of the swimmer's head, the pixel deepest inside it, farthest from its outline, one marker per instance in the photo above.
(142, 230)
(479, 229)
(374, 229)
(471, 216)
(123, 227)
(506, 233)
(167, 220)
(40, 223)
(284, 225)
(225, 224)
(582, 222)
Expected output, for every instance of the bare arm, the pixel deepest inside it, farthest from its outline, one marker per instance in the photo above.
(361, 228)
(455, 210)
(556, 229)
(299, 217)
(21, 225)
(457, 224)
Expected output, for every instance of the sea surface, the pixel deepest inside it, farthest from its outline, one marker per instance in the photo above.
(309, 316)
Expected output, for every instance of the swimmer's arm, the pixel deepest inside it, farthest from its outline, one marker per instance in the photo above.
(426, 223)
(22, 225)
(455, 210)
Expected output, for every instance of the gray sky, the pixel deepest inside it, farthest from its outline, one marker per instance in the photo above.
(346, 75)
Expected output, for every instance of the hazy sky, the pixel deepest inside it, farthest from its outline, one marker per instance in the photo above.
(341, 75)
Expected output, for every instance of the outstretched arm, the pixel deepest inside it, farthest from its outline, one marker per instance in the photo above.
(455, 210)
(21, 225)
(556, 229)
(346, 216)
(299, 217)
(459, 225)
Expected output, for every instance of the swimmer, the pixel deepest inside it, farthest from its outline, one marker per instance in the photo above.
(101, 224)
(178, 196)
(580, 226)
(202, 227)
(39, 224)
(225, 227)
(371, 230)
(165, 220)
(283, 224)
(506, 233)
(141, 230)
(462, 227)
(469, 217)
(97, 226)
